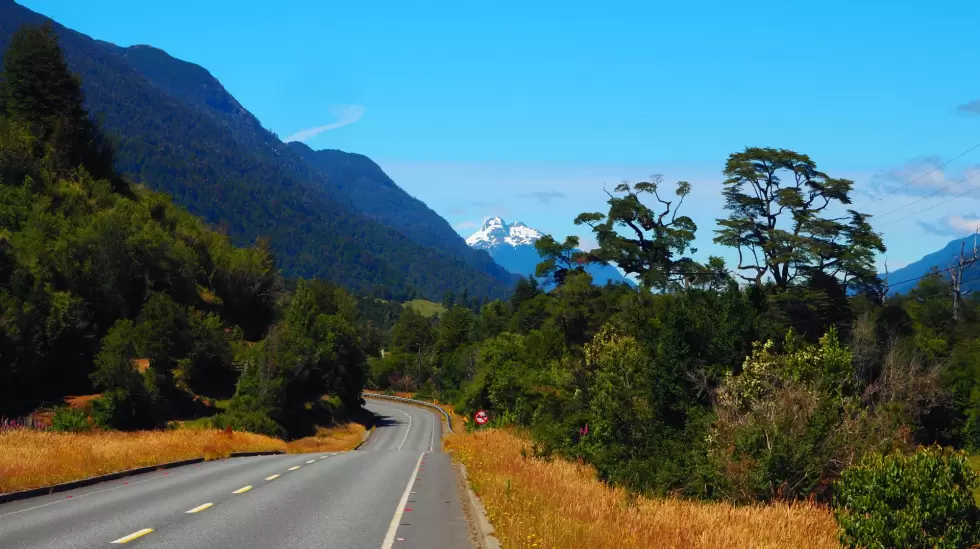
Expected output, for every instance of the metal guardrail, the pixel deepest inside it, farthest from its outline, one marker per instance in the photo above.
(449, 420)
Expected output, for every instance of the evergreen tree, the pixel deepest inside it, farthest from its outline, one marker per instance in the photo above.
(39, 89)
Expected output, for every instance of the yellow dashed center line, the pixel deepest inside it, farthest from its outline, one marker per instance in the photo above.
(243, 489)
(199, 508)
(311, 461)
(273, 477)
(134, 535)
(293, 468)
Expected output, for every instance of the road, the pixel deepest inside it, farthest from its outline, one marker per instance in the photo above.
(397, 491)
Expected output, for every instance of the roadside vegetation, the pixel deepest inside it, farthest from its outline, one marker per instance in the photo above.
(537, 503)
(32, 459)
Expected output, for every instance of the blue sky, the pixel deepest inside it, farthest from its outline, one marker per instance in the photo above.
(525, 109)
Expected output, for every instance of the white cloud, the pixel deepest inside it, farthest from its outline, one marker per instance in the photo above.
(467, 225)
(953, 225)
(925, 176)
(345, 115)
(963, 224)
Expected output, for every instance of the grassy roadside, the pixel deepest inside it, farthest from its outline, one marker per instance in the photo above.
(536, 504)
(32, 459)
(329, 439)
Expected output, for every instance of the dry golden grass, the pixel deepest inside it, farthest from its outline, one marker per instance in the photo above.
(81, 401)
(539, 505)
(333, 439)
(32, 459)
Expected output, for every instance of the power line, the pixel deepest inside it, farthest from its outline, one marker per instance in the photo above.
(947, 187)
(938, 203)
(935, 169)
(930, 273)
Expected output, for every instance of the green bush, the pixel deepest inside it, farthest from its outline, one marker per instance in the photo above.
(909, 500)
(252, 421)
(70, 420)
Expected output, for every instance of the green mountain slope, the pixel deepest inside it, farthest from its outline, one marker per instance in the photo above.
(196, 143)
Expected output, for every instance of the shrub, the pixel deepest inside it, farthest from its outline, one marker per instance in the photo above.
(70, 420)
(252, 421)
(922, 499)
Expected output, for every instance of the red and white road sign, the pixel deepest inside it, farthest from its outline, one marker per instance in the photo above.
(481, 417)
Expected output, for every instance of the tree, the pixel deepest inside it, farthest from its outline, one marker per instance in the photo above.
(655, 239)
(37, 87)
(557, 258)
(411, 331)
(784, 224)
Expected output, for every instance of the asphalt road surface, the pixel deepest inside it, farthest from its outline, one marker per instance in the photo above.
(397, 491)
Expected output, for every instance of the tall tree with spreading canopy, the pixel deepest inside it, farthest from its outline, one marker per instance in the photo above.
(653, 240)
(38, 88)
(780, 221)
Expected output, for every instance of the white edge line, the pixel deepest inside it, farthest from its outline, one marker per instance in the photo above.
(393, 529)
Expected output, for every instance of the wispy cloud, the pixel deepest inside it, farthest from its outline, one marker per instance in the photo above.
(344, 114)
(925, 176)
(544, 197)
(973, 107)
(467, 225)
(953, 225)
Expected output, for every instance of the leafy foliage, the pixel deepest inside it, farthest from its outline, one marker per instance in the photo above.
(70, 420)
(656, 241)
(915, 500)
(784, 224)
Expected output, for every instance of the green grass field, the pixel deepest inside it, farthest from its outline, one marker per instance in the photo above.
(426, 308)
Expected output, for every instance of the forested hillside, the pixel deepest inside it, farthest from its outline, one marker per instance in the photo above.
(176, 130)
(107, 286)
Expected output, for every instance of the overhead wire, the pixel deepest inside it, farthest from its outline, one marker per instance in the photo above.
(933, 170)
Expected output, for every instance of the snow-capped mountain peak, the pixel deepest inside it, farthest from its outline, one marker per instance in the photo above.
(496, 231)
(512, 247)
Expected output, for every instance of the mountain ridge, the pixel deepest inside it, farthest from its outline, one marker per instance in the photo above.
(177, 130)
(905, 278)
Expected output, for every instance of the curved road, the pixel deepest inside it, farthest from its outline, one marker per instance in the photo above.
(398, 490)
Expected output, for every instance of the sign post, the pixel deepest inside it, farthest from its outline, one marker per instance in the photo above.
(481, 417)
